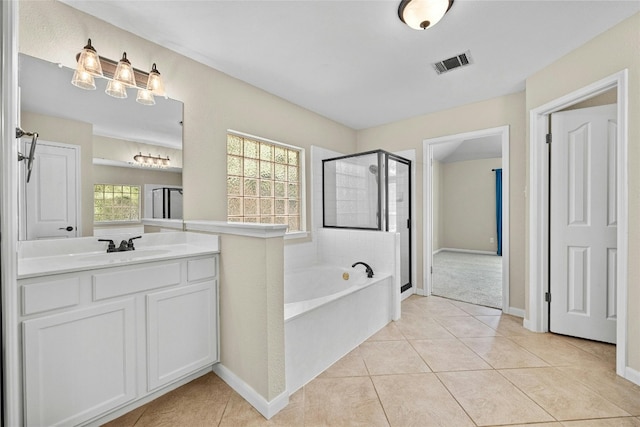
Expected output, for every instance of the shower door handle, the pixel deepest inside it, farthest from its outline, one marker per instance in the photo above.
(32, 152)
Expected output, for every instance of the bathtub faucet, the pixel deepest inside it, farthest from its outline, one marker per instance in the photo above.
(369, 270)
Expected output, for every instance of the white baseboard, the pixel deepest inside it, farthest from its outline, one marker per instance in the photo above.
(518, 312)
(267, 409)
(632, 375)
(468, 251)
(438, 251)
(420, 292)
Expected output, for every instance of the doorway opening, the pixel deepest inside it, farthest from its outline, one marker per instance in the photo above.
(466, 251)
(539, 214)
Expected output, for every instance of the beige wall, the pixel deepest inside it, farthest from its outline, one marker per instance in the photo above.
(409, 134)
(252, 311)
(71, 132)
(469, 204)
(610, 52)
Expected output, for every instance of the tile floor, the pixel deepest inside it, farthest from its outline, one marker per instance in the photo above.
(445, 363)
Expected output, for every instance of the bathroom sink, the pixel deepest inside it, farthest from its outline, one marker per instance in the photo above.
(119, 256)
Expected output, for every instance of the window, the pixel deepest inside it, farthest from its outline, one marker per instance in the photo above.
(264, 182)
(116, 203)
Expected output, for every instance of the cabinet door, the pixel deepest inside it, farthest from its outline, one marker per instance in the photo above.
(79, 364)
(181, 331)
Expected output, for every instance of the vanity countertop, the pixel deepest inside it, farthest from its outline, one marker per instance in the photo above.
(46, 257)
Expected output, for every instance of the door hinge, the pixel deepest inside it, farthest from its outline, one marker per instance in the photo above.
(547, 297)
(548, 138)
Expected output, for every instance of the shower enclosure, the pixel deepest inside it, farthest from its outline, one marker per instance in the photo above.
(370, 191)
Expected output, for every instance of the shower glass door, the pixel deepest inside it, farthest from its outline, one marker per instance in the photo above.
(399, 212)
(351, 196)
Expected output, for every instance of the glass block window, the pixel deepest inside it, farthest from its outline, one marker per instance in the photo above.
(263, 182)
(116, 203)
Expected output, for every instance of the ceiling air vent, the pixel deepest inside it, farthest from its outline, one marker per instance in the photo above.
(453, 63)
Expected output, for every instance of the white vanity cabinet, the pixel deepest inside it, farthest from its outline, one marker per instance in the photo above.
(101, 339)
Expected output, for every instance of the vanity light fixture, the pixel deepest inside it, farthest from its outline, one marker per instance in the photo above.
(88, 66)
(121, 75)
(153, 161)
(124, 72)
(423, 14)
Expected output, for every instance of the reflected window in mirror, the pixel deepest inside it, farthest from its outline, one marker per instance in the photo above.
(116, 203)
(264, 182)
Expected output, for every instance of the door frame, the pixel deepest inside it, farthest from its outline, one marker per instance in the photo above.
(427, 151)
(11, 393)
(538, 312)
(411, 156)
(22, 217)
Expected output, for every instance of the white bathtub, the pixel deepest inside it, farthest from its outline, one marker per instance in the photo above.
(327, 316)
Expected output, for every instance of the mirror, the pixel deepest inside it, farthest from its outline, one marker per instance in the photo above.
(98, 136)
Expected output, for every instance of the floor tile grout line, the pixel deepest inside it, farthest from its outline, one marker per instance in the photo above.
(226, 405)
(527, 394)
(455, 398)
(384, 411)
(557, 368)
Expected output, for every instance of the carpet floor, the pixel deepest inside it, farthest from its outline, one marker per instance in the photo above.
(472, 278)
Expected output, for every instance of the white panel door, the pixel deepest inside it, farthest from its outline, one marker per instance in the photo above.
(52, 193)
(583, 224)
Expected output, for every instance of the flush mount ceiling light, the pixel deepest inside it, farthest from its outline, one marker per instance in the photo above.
(423, 14)
(121, 75)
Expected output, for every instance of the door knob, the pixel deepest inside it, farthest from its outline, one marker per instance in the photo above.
(69, 228)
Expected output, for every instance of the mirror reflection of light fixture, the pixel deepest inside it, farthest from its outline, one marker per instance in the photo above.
(145, 97)
(83, 79)
(121, 75)
(423, 14)
(153, 161)
(116, 89)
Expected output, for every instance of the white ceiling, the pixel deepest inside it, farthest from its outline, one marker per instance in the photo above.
(354, 61)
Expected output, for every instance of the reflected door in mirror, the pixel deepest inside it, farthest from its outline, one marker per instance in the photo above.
(52, 198)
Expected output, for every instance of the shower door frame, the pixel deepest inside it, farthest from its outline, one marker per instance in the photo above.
(383, 201)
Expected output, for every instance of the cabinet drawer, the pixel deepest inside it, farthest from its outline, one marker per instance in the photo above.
(198, 269)
(109, 285)
(49, 295)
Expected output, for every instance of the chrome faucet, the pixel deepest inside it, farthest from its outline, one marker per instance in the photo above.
(369, 270)
(124, 245)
